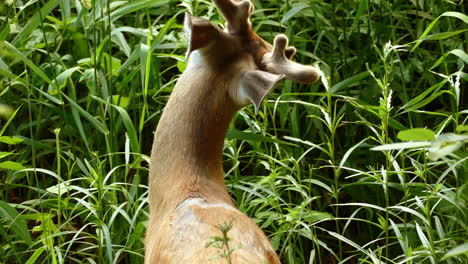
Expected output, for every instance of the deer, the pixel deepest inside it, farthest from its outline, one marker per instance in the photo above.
(227, 69)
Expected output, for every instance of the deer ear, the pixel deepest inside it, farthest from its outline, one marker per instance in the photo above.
(254, 85)
(200, 32)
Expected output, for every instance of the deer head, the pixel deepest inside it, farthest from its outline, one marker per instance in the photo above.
(254, 65)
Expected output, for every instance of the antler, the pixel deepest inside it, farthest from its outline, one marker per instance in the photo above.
(277, 61)
(237, 15)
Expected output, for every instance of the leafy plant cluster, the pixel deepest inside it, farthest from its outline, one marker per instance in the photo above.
(368, 166)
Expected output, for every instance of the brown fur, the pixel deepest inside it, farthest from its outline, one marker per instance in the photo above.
(186, 164)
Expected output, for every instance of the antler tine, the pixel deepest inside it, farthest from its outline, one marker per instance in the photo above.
(277, 61)
(237, 14)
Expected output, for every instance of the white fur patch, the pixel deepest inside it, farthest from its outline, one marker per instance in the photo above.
(196, 60)
(185, 205)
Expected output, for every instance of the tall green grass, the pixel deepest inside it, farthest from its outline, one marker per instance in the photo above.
(368, 166)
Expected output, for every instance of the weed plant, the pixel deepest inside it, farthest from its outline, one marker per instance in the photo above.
(368, 166)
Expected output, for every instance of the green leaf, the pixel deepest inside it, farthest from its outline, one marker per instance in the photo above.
(353, 80)
(61, 80)
(315, 216)
(443, 35)
(181, 65)
(236, 134)
(457, 52)
(17, 54)
(119, 100)
(17, 224)
(98, 125)
(446, 144)
(416, 134)
(456, 251)
(60, 188)
(35, 255)
(293, 11)
(35, 21)
(132, 134)
(2, 130)
(461, 128)
(6, 111)
(11, 165)
(461, 54)
(4, 154)
(458, 15)
(134, 6)
(461, 16)
(402, 145)
(425, 101)
(422, 95)
(10, 140)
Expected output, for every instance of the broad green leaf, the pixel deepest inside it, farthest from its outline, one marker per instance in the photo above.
(10, 140)
(11, 165)
(457, 251)
(17, 224)
(416, 134)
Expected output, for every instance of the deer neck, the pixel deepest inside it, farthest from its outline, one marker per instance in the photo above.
(186, 159)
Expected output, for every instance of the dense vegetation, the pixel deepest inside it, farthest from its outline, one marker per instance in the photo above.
(83, 84)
